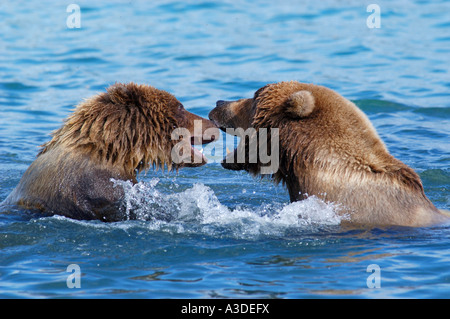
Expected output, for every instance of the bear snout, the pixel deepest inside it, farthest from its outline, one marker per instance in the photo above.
(221, 114)
(218, 114)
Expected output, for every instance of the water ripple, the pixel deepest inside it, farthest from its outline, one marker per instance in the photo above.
(230, 232)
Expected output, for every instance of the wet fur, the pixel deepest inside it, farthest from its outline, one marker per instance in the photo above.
(331, 150)
(115, 134)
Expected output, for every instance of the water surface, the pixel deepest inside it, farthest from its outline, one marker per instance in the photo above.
(226, 235)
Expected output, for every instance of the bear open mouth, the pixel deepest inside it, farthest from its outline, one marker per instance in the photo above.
(197, 154)
(219, 125)
(229, 160)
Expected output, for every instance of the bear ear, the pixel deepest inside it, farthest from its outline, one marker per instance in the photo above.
(300, 104)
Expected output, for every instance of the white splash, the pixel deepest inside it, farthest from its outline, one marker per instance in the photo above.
(198, 210)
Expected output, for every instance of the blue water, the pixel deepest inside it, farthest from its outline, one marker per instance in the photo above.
(229, 235)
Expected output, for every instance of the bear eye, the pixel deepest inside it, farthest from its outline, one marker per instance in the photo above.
(180, 107)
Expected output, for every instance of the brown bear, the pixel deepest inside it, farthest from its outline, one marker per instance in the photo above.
(113, 135)
(328, 148)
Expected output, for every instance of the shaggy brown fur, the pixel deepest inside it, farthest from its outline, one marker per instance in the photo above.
(328, 148)
(112, 135)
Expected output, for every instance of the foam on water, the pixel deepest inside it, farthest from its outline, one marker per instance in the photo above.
(198, 210)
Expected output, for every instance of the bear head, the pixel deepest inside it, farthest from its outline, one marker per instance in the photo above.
(305, 125)
(274, 106)
(131, 127)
